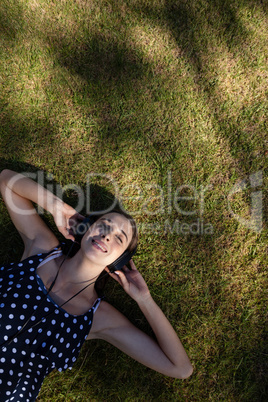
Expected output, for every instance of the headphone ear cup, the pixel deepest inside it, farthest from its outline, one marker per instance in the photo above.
(83, 227)
(121, 261)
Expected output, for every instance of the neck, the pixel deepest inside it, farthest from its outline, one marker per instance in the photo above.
(77, 272)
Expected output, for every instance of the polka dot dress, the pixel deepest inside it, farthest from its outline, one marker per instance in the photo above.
(54, 342)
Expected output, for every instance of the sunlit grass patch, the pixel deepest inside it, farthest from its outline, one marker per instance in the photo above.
(153, 101)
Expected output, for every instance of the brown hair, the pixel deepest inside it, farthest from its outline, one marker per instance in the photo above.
(134, 240)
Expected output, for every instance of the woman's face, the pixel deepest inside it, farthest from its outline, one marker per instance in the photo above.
(107, 239)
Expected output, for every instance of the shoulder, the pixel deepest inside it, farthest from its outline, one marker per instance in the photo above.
(106, 319)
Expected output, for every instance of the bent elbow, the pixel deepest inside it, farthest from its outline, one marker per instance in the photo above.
(4, 173)
(185, 372)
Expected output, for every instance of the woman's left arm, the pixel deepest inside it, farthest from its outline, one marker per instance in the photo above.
(167, 355)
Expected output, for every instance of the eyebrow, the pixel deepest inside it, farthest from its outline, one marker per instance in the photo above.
(109, 220)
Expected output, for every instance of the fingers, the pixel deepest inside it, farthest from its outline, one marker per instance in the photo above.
(133, 266)
(121, 278)
(118, 276)
(66, 232)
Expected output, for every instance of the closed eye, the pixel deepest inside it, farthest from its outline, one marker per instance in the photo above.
(119, 238)
(108, 227)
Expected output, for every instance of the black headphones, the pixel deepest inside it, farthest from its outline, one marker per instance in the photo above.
(122, 260)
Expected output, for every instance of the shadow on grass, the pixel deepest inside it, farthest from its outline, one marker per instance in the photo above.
(95, 197)
(114, 67)
(196, 27)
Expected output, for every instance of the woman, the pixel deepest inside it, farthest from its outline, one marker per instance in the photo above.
(47, 306)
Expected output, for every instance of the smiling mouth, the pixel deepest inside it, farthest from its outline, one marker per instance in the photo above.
(99, 246)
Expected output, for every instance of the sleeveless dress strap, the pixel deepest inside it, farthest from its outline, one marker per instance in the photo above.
(51, 256)
(96, 304)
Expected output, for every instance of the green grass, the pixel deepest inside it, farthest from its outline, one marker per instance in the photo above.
(152, 92)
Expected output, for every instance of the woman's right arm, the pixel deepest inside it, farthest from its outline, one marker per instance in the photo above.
(19, 192)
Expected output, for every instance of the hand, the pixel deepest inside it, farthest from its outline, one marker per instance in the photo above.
(66, 218)
(132, 282)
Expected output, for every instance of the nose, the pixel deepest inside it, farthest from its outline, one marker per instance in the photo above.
(106, 231)
(105, 236)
